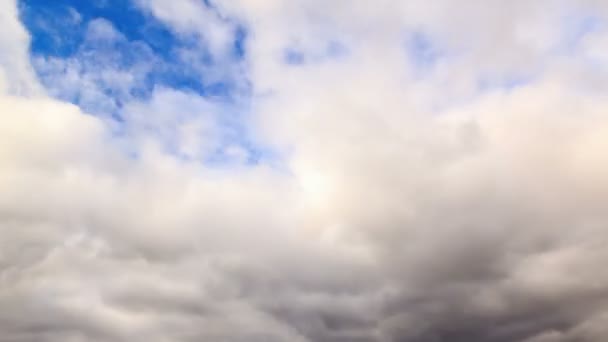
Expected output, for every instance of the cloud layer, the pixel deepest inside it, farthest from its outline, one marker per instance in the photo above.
(391, 171)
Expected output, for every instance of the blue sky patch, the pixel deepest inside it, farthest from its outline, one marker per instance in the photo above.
(294, 57)
(421, 50)
(103, 55)
(145, 48)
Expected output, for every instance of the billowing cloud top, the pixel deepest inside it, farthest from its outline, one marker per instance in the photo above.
(303, 170)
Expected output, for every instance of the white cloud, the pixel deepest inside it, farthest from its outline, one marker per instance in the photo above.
(14, 54)
(191, 16)
(101, 29)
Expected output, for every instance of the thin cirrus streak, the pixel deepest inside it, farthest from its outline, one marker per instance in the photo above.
(276, 170)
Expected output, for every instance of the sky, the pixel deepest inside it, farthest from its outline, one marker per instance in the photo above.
(303, 170)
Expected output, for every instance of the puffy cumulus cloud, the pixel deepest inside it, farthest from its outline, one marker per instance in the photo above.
(441, 177)
(14, 39)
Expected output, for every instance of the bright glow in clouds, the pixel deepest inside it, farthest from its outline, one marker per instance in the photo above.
(303, 170)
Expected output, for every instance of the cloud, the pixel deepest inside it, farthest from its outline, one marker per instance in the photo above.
(403, 202)
(14, 42)
(190, 16)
